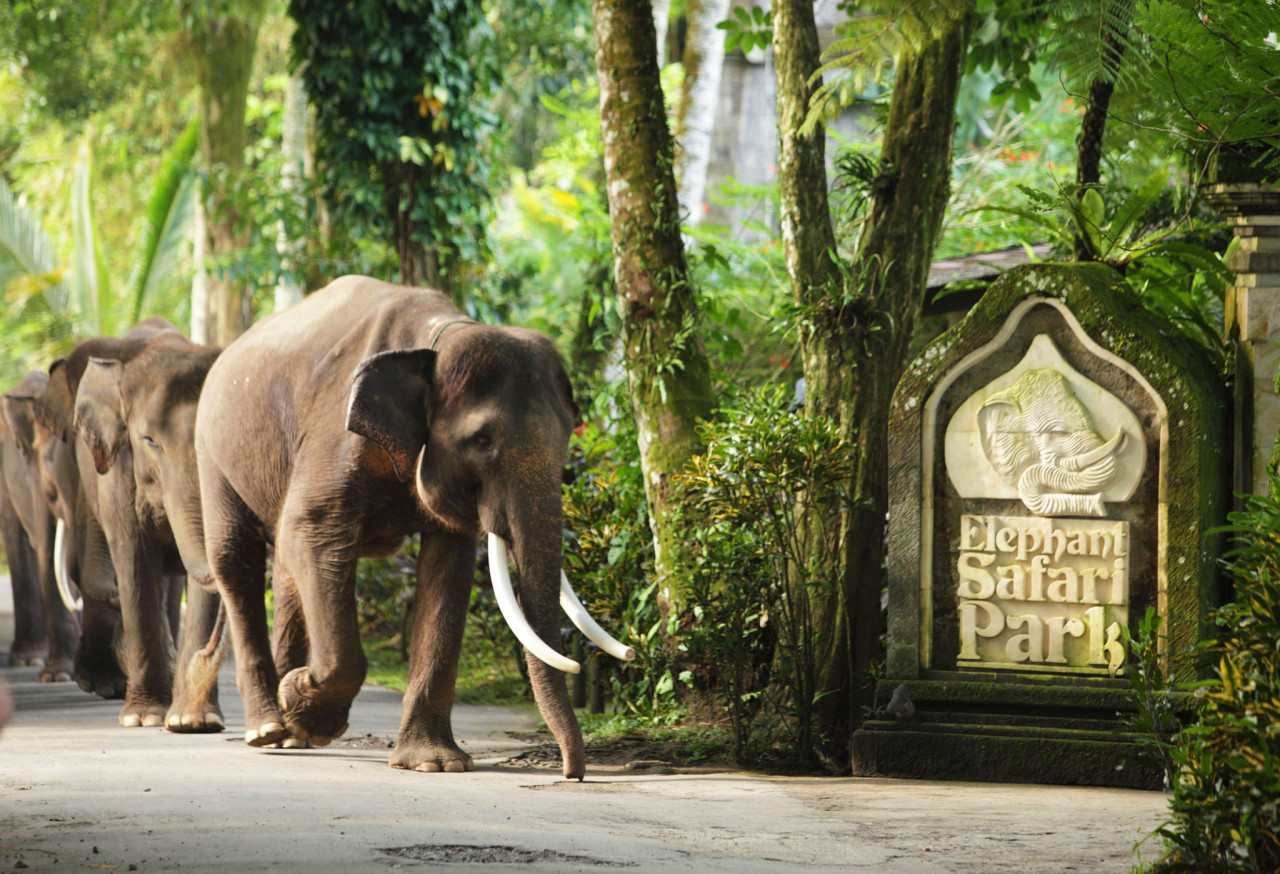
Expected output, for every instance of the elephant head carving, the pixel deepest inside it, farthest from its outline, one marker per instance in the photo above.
(1038, 436)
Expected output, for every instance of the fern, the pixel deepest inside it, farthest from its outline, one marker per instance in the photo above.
(865, 46)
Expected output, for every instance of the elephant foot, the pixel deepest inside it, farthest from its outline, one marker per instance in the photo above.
(308, 713)
(31, 655)
(267, 734)
(187, 719)
(57, 670)
(142, 715)
(431, 758)
(100, 675)
(195, 697)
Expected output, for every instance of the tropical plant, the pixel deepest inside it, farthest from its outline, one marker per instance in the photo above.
(771, 484)
(1225, 801)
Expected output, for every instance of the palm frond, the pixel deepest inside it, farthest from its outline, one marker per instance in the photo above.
(27, 261)
(166, 222)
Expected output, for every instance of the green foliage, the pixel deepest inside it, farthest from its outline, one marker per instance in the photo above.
(1154, 720)
(165, 221)
(770, 486)
(867, 44)
(1148, 234)
(1219, 75)
(608, 557)
(400, 90)
(746, 29)
(1226, 797)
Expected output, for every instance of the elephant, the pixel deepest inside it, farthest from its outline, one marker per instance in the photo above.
(363, 415)
(116, 406)
(82, 553)
(46, 632)
(135, 418)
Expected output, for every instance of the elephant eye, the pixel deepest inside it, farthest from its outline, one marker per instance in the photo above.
(482, 441)
(153, 444)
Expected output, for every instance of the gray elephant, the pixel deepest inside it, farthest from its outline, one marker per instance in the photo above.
(365, 414)
(46, 632)
(136, 456)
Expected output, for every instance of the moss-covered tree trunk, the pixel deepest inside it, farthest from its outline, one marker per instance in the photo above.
(862, 314)
(666, 368)
(223, 49)
(1093, 126)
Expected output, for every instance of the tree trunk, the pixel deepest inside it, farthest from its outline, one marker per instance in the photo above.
(293, 145)
(863, 315)
(661, 18)
(703, 63)
(666, 368)
(420, 264)
(223, 58)
(1092, 129)
(199, 280)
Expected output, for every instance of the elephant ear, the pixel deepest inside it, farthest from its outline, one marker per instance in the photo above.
(389, 404)
(98, 416)
(19, 415)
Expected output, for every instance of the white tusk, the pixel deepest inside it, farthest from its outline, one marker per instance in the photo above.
(500, 572)
(61, 548)
(575, 611)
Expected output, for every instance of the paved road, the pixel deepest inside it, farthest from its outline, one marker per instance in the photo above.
(79, 793)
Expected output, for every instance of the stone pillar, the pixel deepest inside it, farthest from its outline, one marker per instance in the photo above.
(1253, 322)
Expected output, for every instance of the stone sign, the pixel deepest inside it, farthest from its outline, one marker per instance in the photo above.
(1058, 460)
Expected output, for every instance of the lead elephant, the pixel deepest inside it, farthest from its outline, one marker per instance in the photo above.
(367, 413)
(46, 633)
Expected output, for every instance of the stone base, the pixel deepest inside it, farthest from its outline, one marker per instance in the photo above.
(1004, 732)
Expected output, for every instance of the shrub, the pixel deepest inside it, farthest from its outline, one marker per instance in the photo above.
(770, 486)
(1226, 797)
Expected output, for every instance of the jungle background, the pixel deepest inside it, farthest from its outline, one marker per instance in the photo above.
(703, 203)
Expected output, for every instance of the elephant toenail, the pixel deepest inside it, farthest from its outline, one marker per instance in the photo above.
(152, 720)
(453, 766)
(429, 767)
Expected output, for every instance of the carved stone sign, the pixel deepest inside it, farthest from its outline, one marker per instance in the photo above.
(1057, 465)
(1035, 593)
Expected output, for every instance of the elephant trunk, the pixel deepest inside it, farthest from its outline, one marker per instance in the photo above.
(536, 541)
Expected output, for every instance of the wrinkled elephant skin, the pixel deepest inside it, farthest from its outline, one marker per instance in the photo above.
(365, 414)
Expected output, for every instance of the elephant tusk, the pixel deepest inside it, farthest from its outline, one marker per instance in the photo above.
(61, 549)
(500, 572)
(1093, 456)
(578, 614)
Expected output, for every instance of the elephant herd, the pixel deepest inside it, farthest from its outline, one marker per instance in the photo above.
(367, 413)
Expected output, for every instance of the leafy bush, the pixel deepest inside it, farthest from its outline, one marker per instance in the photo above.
(771, 486)
(1226, 797)
(609, 557)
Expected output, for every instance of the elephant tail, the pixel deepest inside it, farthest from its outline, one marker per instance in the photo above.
(214, 644)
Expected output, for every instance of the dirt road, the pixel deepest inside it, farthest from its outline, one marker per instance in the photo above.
(79, 793)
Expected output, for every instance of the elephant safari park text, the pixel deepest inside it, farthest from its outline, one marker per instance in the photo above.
(1044, 594)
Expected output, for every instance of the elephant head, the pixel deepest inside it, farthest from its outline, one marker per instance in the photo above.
(1038, 435)
(27, 408)
(141, 413)
(481, 426)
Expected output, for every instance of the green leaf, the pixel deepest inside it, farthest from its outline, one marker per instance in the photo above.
(1137, 203)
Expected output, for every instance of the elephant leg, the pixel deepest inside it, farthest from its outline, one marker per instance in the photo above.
(147, 641)
(61, 625)
(238, 559)
(30, 645)
(315, 699)
(174, 586)
(195, 680)
(291, 645)
(96, 669)
(446, 572)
